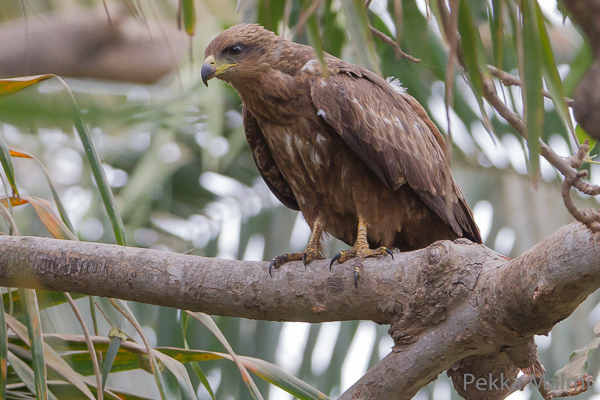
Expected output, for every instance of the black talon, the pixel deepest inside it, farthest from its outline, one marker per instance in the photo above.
(334, 259)
(391, 253)
(356, 279)
(271, 267)
(304, 260)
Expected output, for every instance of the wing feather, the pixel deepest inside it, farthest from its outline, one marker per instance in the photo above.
(266, 163)
(393, 136)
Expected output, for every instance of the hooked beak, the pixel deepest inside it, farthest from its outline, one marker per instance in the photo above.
(208, 70)
(211, 68)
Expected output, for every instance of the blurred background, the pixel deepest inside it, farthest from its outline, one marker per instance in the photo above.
(175, 155)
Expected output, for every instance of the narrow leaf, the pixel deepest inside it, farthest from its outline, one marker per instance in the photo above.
(26, 375)
(7, 165)
(214, 329)
(61, 209)
(178, 370)
(50, 219)
(188, 14)
(314, 38)
(474, 57)
(9, 86)
(360, 35)
(99, 175)
(195, 367)
(551, 74)
(267, 371)
(497, 25)
(109, 359)
(532, 77)
(582, 136)
(3, 353)
(51, 357)
(34, 328)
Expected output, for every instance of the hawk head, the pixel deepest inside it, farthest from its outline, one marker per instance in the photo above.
(239, 54)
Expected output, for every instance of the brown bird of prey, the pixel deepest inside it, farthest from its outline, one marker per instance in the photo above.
(356, 154)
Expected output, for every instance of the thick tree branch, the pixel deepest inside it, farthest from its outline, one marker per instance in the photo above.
(453, 306)
(85, 44)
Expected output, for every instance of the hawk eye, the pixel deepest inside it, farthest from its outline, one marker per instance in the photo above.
(235, 50)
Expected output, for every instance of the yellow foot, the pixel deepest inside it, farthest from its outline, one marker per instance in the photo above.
(306, 256)
(359, 253)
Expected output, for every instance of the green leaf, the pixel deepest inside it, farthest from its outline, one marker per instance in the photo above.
(314, 38)
(361, 38)
(497, 27)
(34, 328)
(532, 80)
(128, 359)
(98, 172)
(51, 357)
(195, 367)
(267, 371)
(474, 57)
(109, 359)
(46, 299)
(582, 136)
(178, 370)
(9, 86)
(188, 15)
(214, 329)
(551, 74)
(7, 165)
(3, 353)
(27, 375)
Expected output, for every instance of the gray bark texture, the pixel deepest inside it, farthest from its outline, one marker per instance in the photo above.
(86, 44)
(454, 306)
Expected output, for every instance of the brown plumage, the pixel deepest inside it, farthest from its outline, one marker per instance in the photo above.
(359, 157)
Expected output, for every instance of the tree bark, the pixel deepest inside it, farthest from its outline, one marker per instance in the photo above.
(453, 306)
(86, 44)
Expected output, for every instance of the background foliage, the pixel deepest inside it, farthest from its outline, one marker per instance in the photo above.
(175, 156)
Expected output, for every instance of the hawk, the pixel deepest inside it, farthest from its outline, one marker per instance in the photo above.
(353, 152)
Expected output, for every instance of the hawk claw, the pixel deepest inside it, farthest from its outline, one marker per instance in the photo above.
(334, 259)
(359, 252)
(304, 256)
(391, 253)
(271, 267)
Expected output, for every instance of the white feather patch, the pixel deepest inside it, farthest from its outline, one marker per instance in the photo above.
(321, 113)
(396, 84)
(310, 66)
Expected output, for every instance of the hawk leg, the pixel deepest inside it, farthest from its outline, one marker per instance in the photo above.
(360, 251)
(312, 252)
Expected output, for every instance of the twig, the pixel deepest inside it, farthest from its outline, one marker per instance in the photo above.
(304, 17)
(388, 40)
(511, 80)
(578, 387)
(591, 218)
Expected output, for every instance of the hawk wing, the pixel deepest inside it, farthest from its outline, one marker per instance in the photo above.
(266, 163)
(393, 136)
